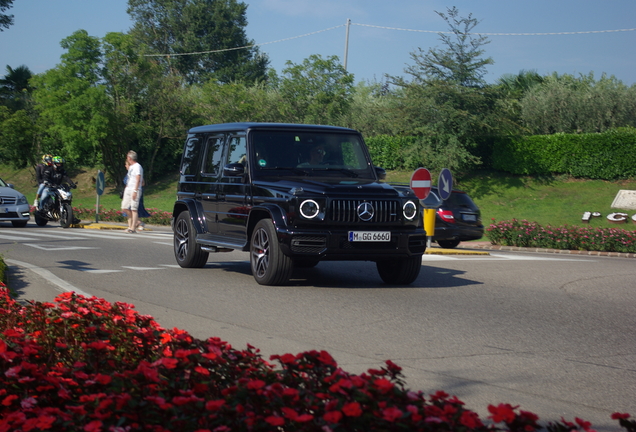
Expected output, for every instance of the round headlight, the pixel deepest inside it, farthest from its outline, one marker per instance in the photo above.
(410, 210)
(309, 209)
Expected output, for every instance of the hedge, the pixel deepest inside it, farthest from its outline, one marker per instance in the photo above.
(607, 156)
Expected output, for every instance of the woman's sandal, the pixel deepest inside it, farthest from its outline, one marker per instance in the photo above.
(131, 231)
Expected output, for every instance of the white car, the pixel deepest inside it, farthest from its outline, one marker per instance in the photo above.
(14, 206)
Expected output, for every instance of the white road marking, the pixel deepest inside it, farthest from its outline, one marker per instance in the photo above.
(50, 248)
(61, 284)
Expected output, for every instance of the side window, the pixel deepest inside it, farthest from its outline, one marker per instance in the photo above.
(190, 158)
(237, 151)
(214, 150)
(353, 156)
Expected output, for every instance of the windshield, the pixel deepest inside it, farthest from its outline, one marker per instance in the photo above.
(311, 153)
(2, 183)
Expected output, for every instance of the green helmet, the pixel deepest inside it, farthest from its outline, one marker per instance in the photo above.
(57, 160)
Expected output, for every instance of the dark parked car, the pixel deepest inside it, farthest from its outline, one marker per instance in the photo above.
(458, 219)
(292, 196)
(14, 207)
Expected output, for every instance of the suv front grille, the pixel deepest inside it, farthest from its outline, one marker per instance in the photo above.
(346, 210)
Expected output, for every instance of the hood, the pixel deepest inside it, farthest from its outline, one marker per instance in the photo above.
(332, 187)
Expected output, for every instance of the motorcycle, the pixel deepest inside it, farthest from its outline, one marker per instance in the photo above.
(57, 206)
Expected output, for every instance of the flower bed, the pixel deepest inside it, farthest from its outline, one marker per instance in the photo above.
(531, 234)
(85, 364)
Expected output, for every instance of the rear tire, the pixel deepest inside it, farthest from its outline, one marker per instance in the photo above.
(270, 266)
(186, 250)
(39, 220)
(19, 224)
(400, 272)
(448, 244)
(66, 215)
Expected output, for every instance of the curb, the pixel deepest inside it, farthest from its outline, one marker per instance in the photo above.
(104, 226)
(489, 246)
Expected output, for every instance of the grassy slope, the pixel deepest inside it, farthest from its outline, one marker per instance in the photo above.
(549, 201)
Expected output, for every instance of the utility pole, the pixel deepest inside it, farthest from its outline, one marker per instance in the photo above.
(346, 53)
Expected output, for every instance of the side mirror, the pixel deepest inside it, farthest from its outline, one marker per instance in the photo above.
(233, 170)
(380, 172)
(10, 185)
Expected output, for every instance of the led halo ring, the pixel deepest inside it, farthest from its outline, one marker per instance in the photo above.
(309, 209)
(409, 208)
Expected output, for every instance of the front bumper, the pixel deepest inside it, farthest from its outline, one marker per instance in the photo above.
(335, 245)
(461, 233)
(15, 213)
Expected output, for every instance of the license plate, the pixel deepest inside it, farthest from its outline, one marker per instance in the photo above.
(369, 236)
(469, 217)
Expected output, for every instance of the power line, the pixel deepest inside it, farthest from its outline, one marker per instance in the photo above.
(386, 28)
(499, 34)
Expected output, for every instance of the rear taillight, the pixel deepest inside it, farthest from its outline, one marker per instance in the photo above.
(446, 215)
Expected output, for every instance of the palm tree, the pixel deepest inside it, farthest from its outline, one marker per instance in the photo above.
(14, 87)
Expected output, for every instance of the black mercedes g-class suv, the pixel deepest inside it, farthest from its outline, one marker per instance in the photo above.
(292, 195)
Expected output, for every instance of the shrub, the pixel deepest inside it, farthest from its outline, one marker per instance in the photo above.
(85, 364)
(531, 234)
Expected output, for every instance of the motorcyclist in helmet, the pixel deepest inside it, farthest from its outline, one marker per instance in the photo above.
(46, 164)
(55, 177)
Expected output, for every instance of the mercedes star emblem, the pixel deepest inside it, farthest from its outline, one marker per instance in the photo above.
(365, 211)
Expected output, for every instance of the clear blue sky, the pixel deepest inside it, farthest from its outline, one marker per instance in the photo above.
(375, 47)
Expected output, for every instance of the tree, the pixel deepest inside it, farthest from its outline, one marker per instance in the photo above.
(15, 88)
(569, 104)
(71, 102)
(202, 39)
(317, 91)
(461, 62)
(446, 103)
(5, 20)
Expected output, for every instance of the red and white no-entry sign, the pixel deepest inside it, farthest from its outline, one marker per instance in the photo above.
(421, 183)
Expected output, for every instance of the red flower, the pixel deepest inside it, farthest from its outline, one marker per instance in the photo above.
(94, 426)
(619, 416)
(275, 420)
(502, 413)
(586, 425)
(383, 384)
(332, 416)
(391, 414)
(256, 384)
(470, 420)
(202, 370)
(352, 409)
(214, 405)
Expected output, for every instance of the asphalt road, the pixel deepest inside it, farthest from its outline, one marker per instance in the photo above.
(554, 334)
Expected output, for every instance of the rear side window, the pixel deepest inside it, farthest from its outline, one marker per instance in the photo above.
(214, 150)
(190, 159)
(459, 199)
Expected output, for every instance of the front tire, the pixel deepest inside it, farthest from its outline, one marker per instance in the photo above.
(186, 250)
(39, 220)
(19, 224)
(400, 272)
(66, 215)
(270, 266)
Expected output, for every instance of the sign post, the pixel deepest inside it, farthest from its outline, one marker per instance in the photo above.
(99, 186)
(421, 185)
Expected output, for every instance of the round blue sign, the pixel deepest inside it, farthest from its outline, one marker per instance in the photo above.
(445, 184)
